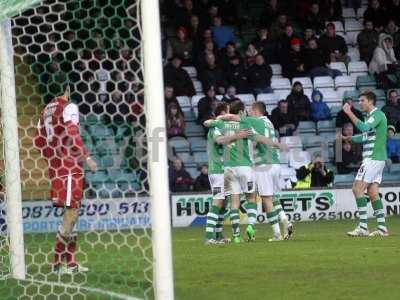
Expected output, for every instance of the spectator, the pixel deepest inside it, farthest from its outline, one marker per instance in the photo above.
(259, 76)
(182, 46)
(367, 41)
(342, 118)
(179, 179)
(347, 161)
(212, 75)
(278, 27)
(206, 106)
(208, 19)
(316, 61)
(315, 174)
(284, 46)
(308, 35)
(284, 119)
(333, 10)
(228, 11)
(178, 78)
(230, 95)
(196, 31)
(294, 64)
(384, 62)
(299, 103)
(183, 13)
(355, 4)
(251, 54)
(270, 13)
(392, 109)
(202, 183)
(227, 53)
(393, 9)
(236, 75)
(170, 98)
(265, 46)
(315, 19)
(175, 121)
(393, 145)
(222, 34)
(347, 157)
(394, 32)
(209, 48)
(333, 46)
(319, 109)
(376, 14)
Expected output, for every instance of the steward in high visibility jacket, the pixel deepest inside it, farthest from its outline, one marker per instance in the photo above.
(313, 175)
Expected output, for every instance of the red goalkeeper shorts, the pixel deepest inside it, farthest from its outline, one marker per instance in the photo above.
(67, 191)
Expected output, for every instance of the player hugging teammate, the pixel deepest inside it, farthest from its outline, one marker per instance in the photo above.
(245, 151)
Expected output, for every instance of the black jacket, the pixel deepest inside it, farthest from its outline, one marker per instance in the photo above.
(179, 80)
(202, 183)
(237, 76)
(315, 58)
(259, 76)
(279, 119)
(329, 45)
(267, 48)
(300, 104)
(212, 77)
(294, 60)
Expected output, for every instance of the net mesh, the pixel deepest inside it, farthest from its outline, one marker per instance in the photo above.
(97, 45)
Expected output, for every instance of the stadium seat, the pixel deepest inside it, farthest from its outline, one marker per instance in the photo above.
(353, 25)
(343, 179)
(380, 95)
(198, 87)
(193, 172)
(345, 37)
(362, 9)
(339, 66)
(192, 130)
(331, 96)
(352, 38)
(280, 84)
(198, 144)
(271, 98)
(335, 110)
(314, 141)
(184, 103)
(189, 116)
(326, 126)
(191, 71)
(200, 158)
(366, 82)
(357, 67)
(270, 107)
(308, 93)
(306, 127)
(288, 175)
(323, 82)
(349, 13)
(282, 94)
(298, 158)
(284, 157)
(328, 136)
(345, 81)
(394, 168)
(247, 99)
(187, 159)
(305, 81)
(276, 70)
(354, 54)
(351, 94)
(179, 144)
(292, 141)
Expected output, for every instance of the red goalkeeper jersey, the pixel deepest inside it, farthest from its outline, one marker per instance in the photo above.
(59, 140)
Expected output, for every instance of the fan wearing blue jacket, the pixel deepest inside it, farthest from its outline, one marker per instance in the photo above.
(319, 109)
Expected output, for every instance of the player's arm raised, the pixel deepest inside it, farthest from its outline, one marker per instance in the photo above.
(362, 126)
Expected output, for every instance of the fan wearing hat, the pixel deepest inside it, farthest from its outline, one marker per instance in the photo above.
(393, 145)
(294, 65)
(333, 45)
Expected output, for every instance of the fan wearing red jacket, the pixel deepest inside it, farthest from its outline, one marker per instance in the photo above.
(60, 143)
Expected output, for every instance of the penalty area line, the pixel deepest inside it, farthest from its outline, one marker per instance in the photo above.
(88, 289)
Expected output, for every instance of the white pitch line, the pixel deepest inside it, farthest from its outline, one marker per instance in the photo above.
(89, 289)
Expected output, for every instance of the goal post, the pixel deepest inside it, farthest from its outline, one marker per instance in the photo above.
(11, 152)
(157, 143)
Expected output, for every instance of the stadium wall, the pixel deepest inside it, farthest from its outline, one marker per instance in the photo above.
(191, 210)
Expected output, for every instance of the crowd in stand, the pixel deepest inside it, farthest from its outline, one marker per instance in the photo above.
(299, 35)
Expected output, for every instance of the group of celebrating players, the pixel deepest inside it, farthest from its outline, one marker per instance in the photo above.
(243, 158)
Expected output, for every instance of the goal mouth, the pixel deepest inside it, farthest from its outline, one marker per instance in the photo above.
(11, 8)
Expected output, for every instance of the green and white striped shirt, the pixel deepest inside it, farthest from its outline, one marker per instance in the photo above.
(373, 136)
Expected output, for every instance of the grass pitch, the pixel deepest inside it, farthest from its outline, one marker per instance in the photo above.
(321, 262)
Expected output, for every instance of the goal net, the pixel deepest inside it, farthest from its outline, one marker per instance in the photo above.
(98, 45)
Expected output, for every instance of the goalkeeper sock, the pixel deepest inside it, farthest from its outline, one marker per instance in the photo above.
(60, 247)
(362, 211)
(212, 219)
(220, 224)
(251, 213)
(379, 215)
(273, 219)
(282, 217)
(235, 220)
(71, 249)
